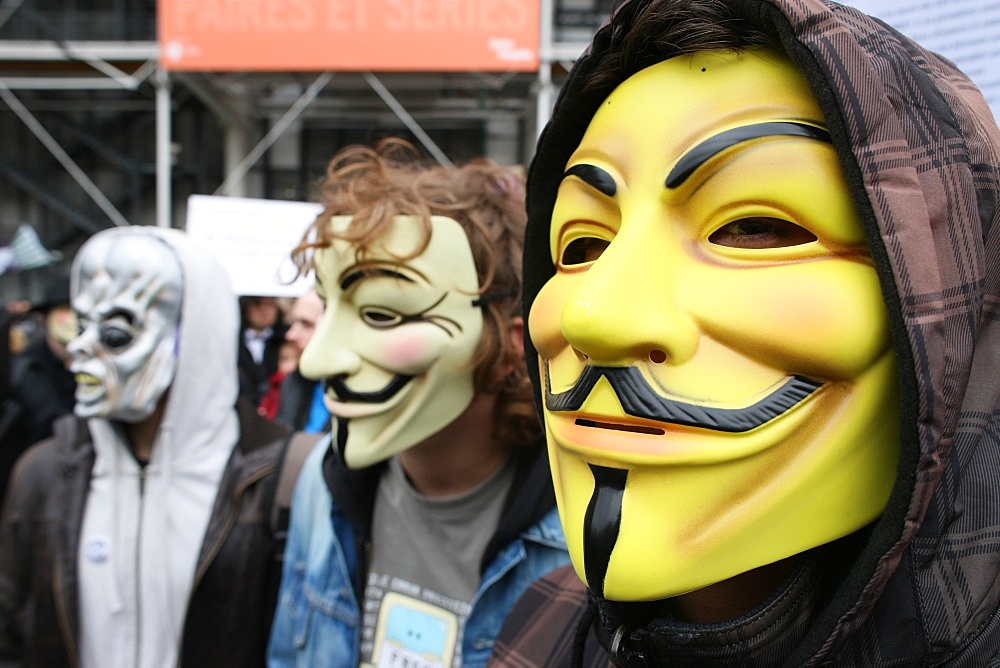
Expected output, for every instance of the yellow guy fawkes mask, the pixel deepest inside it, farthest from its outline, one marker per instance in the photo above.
(720, 388)
(396, 342)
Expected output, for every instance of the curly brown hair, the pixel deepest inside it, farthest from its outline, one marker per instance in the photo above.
(374, 184)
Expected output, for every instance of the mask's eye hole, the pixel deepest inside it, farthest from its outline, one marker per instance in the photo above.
(583, 250)
(761, 232)
(381, 318)
(114, 336)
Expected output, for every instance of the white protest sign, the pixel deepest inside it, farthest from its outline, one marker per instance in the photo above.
(253, 239)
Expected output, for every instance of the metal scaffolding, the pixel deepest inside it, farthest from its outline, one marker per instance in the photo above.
(79, 109)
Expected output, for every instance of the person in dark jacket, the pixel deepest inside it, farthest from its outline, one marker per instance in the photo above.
(140, 535)
(42, 384)
(262, 332)
(761, 274)
(429, 509)
(300, 400)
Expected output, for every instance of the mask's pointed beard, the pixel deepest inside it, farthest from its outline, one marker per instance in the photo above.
(341, 437)
(602, 522)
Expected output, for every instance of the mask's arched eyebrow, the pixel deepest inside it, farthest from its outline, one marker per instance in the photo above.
(352, 277)
(714, 145)
(595, 177)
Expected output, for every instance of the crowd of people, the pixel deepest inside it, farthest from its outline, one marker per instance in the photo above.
(716, 383)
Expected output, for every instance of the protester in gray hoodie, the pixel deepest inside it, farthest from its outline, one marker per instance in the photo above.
(140, 535)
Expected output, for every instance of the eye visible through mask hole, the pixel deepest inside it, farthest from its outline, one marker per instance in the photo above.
(118, 331)
(761, 232)
(583, 250)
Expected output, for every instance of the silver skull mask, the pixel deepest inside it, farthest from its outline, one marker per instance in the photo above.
(127, 291)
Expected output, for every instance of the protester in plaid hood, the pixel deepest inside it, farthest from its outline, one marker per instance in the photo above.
(760, 283)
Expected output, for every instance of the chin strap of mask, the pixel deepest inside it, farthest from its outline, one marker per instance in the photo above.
(637, 635)
(628, 644)
(487, 297)
(629, 647)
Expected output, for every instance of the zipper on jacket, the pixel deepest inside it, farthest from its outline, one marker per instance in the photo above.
(228, 527)
(360, 585)
(361, 576)
(138, 567)
(210, 555)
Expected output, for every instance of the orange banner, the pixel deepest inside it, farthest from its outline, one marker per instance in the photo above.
(349, 35)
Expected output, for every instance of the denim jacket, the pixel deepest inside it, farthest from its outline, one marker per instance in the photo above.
(317, 621)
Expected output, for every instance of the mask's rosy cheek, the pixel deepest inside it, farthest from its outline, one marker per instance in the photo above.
(821, 319)
(410, 350)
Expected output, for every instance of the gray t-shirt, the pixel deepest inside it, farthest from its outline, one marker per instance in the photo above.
(425, 569)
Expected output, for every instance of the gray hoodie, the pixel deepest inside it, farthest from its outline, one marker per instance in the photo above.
(143, 526)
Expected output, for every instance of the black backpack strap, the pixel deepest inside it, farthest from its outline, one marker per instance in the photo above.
(297, 448)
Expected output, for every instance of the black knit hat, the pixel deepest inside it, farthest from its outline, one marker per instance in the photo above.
(56, 293)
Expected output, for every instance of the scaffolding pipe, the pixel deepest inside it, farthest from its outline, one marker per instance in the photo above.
(164, 153)
(408, 121)
(543, 99)
(7, 8)
(60, 154)
(274, 133)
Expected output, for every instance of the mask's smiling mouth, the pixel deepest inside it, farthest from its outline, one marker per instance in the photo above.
(344, 402)
(341, 392)
(86, 379)
(617, 426)
(87, 385)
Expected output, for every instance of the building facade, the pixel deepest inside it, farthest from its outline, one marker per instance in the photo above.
(98, 134)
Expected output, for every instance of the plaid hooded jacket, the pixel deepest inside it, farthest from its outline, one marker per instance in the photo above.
(921, 151)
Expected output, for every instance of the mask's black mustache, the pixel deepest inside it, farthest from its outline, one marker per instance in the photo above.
(639, 400)
(336, 384)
